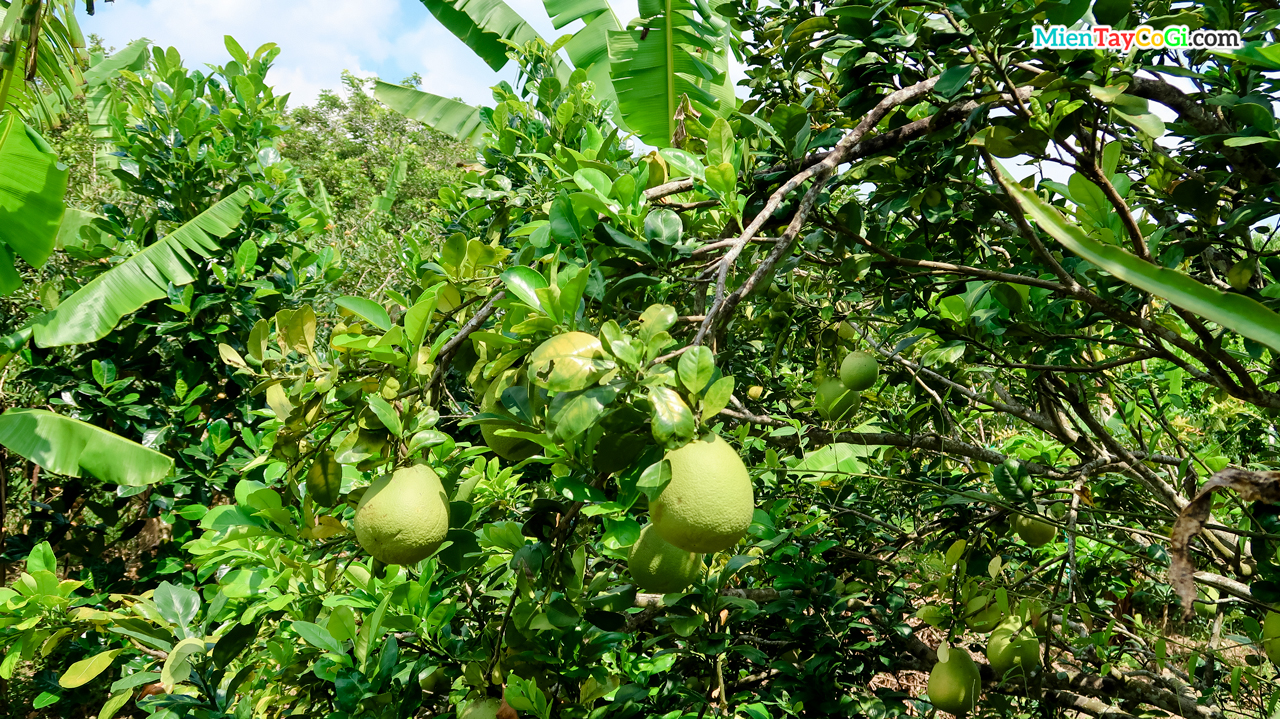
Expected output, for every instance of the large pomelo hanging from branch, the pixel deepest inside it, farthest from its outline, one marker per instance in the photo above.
(859, 371)
(403, 518)
(708, 505)
(658, 566)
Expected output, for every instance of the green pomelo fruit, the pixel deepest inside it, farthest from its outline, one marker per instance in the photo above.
(836, 402)
(431, 681)
(403, 518)
(954, 685)
(483, 709)
(982, 614)
(1013, 650)
(1209, 610)
(858, 371)
(661, 567)
(1034, 532)
(324, 480)
(512, 449)
(708, 504)
(1271, 636)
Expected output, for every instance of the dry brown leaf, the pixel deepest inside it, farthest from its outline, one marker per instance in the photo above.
(1251, 486)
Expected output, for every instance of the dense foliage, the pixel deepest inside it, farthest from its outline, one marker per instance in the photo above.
(981, 417)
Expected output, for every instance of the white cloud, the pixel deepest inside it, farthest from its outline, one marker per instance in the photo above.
(318, 40)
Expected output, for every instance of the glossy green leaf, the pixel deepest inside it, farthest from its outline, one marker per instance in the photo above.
(716, 398)
(953, 79)
(571, 294)
(69, 447)
(86, 670)
(417, 319)
(177, 604)
(564, 221)
(656, 319)
(114, 704)
(41, 559)
(720, 143)
(177, 666)
(95, 309)
(589, 179)
(232, 643)
(1235, 312)
(317, 636)
(582, 411)
(672, 421)
(722, 179)
(663, 226)
(368, 310)
(386, 414)
(524, 282)
(696, 367)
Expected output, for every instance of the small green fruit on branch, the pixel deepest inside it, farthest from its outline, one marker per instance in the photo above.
(1251, 486)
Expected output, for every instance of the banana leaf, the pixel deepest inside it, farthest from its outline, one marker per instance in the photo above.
(101, 100)
(72, 448)
(1235, 312)
(671, 52)
(32, 186)
(482, 25)
(588, 49)
(455, 119)
(95, 309)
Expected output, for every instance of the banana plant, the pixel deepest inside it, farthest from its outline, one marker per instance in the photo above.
(72, 448)
(1233, 311)
(588, 48)
(455, 119)
(673, 53)
(41, 82)
(32, 186)
(32, 181)
(675, 50)
(95, 309)
(101, 97)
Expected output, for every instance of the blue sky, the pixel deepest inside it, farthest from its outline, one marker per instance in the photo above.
(385, 38)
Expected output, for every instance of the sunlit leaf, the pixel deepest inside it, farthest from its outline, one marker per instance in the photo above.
(69, 447)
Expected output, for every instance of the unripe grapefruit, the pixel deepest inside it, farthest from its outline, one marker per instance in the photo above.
(1034, 531)
(858, 371)
(512, 449)
(982, 614)
(954, 685)
(658, 566)
(403, 518)
(835, 401)
(324, 480)
(482, 709)
(708, 504)
(1271, 637)
(1013, 650)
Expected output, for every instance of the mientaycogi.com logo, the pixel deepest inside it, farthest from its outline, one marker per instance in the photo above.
(1145, 37)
